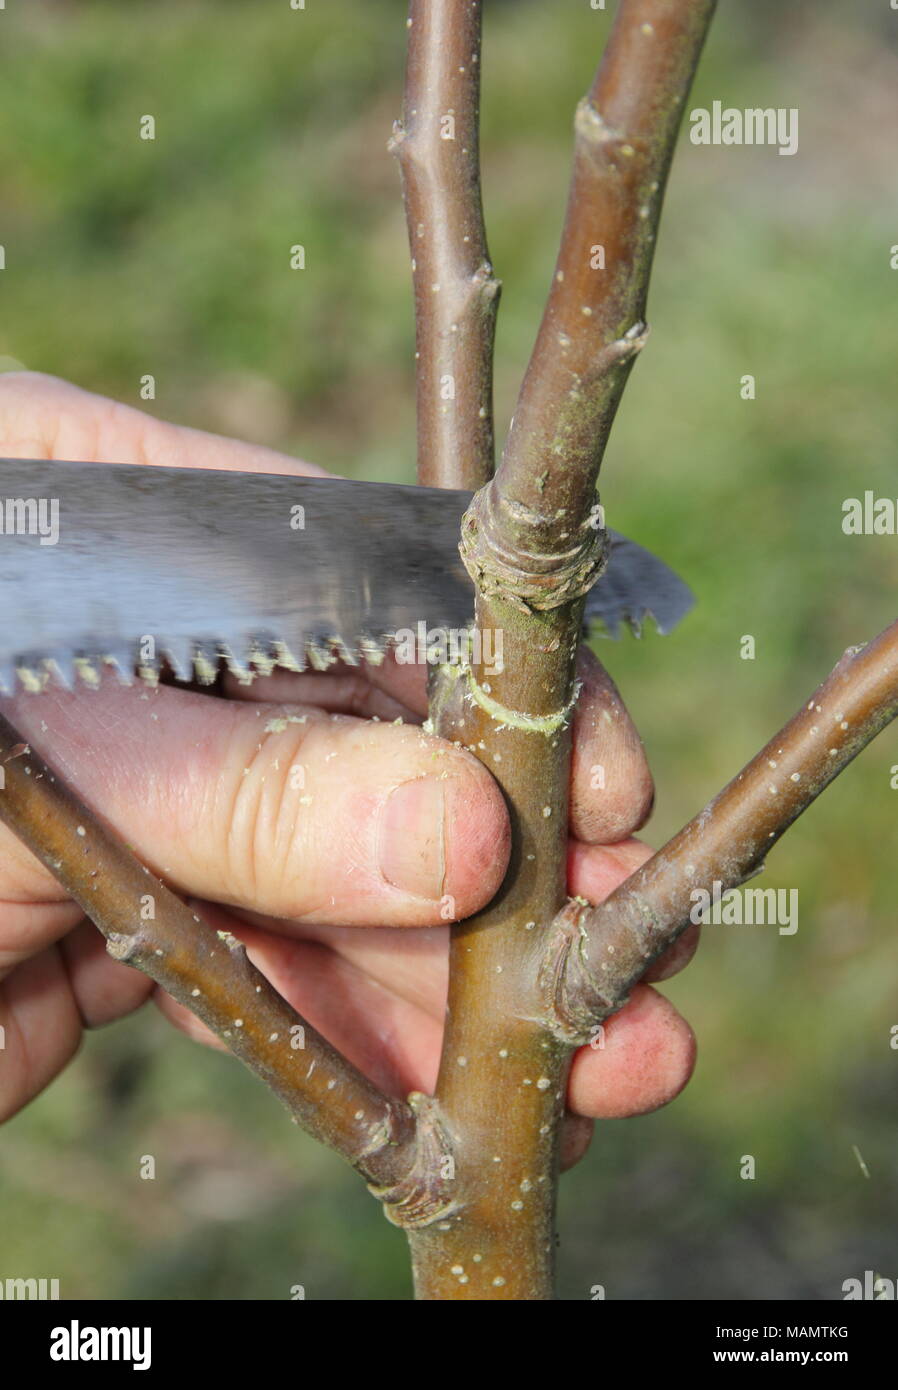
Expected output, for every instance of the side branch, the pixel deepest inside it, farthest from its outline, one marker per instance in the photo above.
(149, 927)
(456, 294)
(593, 325)
(595, 955)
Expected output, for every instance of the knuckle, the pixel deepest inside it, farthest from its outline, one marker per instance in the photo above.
(270, 788)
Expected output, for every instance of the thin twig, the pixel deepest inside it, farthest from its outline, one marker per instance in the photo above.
(456, 294)
(596, 954)
(208, 972)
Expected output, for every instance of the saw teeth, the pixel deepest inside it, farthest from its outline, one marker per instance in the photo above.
(35, 673)
(89, 668)
(263, 655)
(320, 653)
(246, 658)
(372, 651)
(597, 625)
(344, 652)
(206, 658)
(33, 678)
(122, 662)
(238, 666)
(148, 668)
(324, 648)
(178, 653)
(292, 658)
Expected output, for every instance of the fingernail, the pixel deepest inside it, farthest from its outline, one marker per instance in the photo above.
(411, 838)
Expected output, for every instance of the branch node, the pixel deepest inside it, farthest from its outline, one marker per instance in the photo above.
(620, 351)
(591, 126)
(422, 1195)
(531, 579)
(565, 979)
(486, 282)
(235, 947)
(397, 138)
(122, 945)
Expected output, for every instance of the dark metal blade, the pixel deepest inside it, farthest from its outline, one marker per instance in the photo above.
(126, 564)
(635, 586)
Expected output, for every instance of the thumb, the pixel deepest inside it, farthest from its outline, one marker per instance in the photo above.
(280, 808)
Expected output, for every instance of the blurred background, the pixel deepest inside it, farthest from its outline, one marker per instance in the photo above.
(125, 257)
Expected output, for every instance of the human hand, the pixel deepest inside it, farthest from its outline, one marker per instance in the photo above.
(398, 822)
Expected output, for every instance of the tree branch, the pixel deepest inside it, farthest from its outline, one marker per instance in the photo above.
(596, 954)
(533, 528)
(456, 294)
(149, 927)
(532, 546)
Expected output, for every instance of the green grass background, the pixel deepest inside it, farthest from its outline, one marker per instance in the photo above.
(125, 257)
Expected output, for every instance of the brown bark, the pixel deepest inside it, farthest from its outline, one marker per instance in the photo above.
(597, 954)
(594, 321)
(503, 1075)
(456, 294)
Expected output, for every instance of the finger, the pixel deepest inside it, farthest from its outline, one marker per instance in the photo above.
(46, 1003)
(45, 417)
(342, 690)
(299, 814)
(414, 964)
(386, 690)
(676, 957)
(103, 989)
(576, 1136)
(49, 991)
(26, 928)
(641, 1058)
(595, 871)
(611, 786)
(612, 791)
(41, 1029)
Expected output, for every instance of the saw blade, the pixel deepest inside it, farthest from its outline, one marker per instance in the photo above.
(139, 567)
